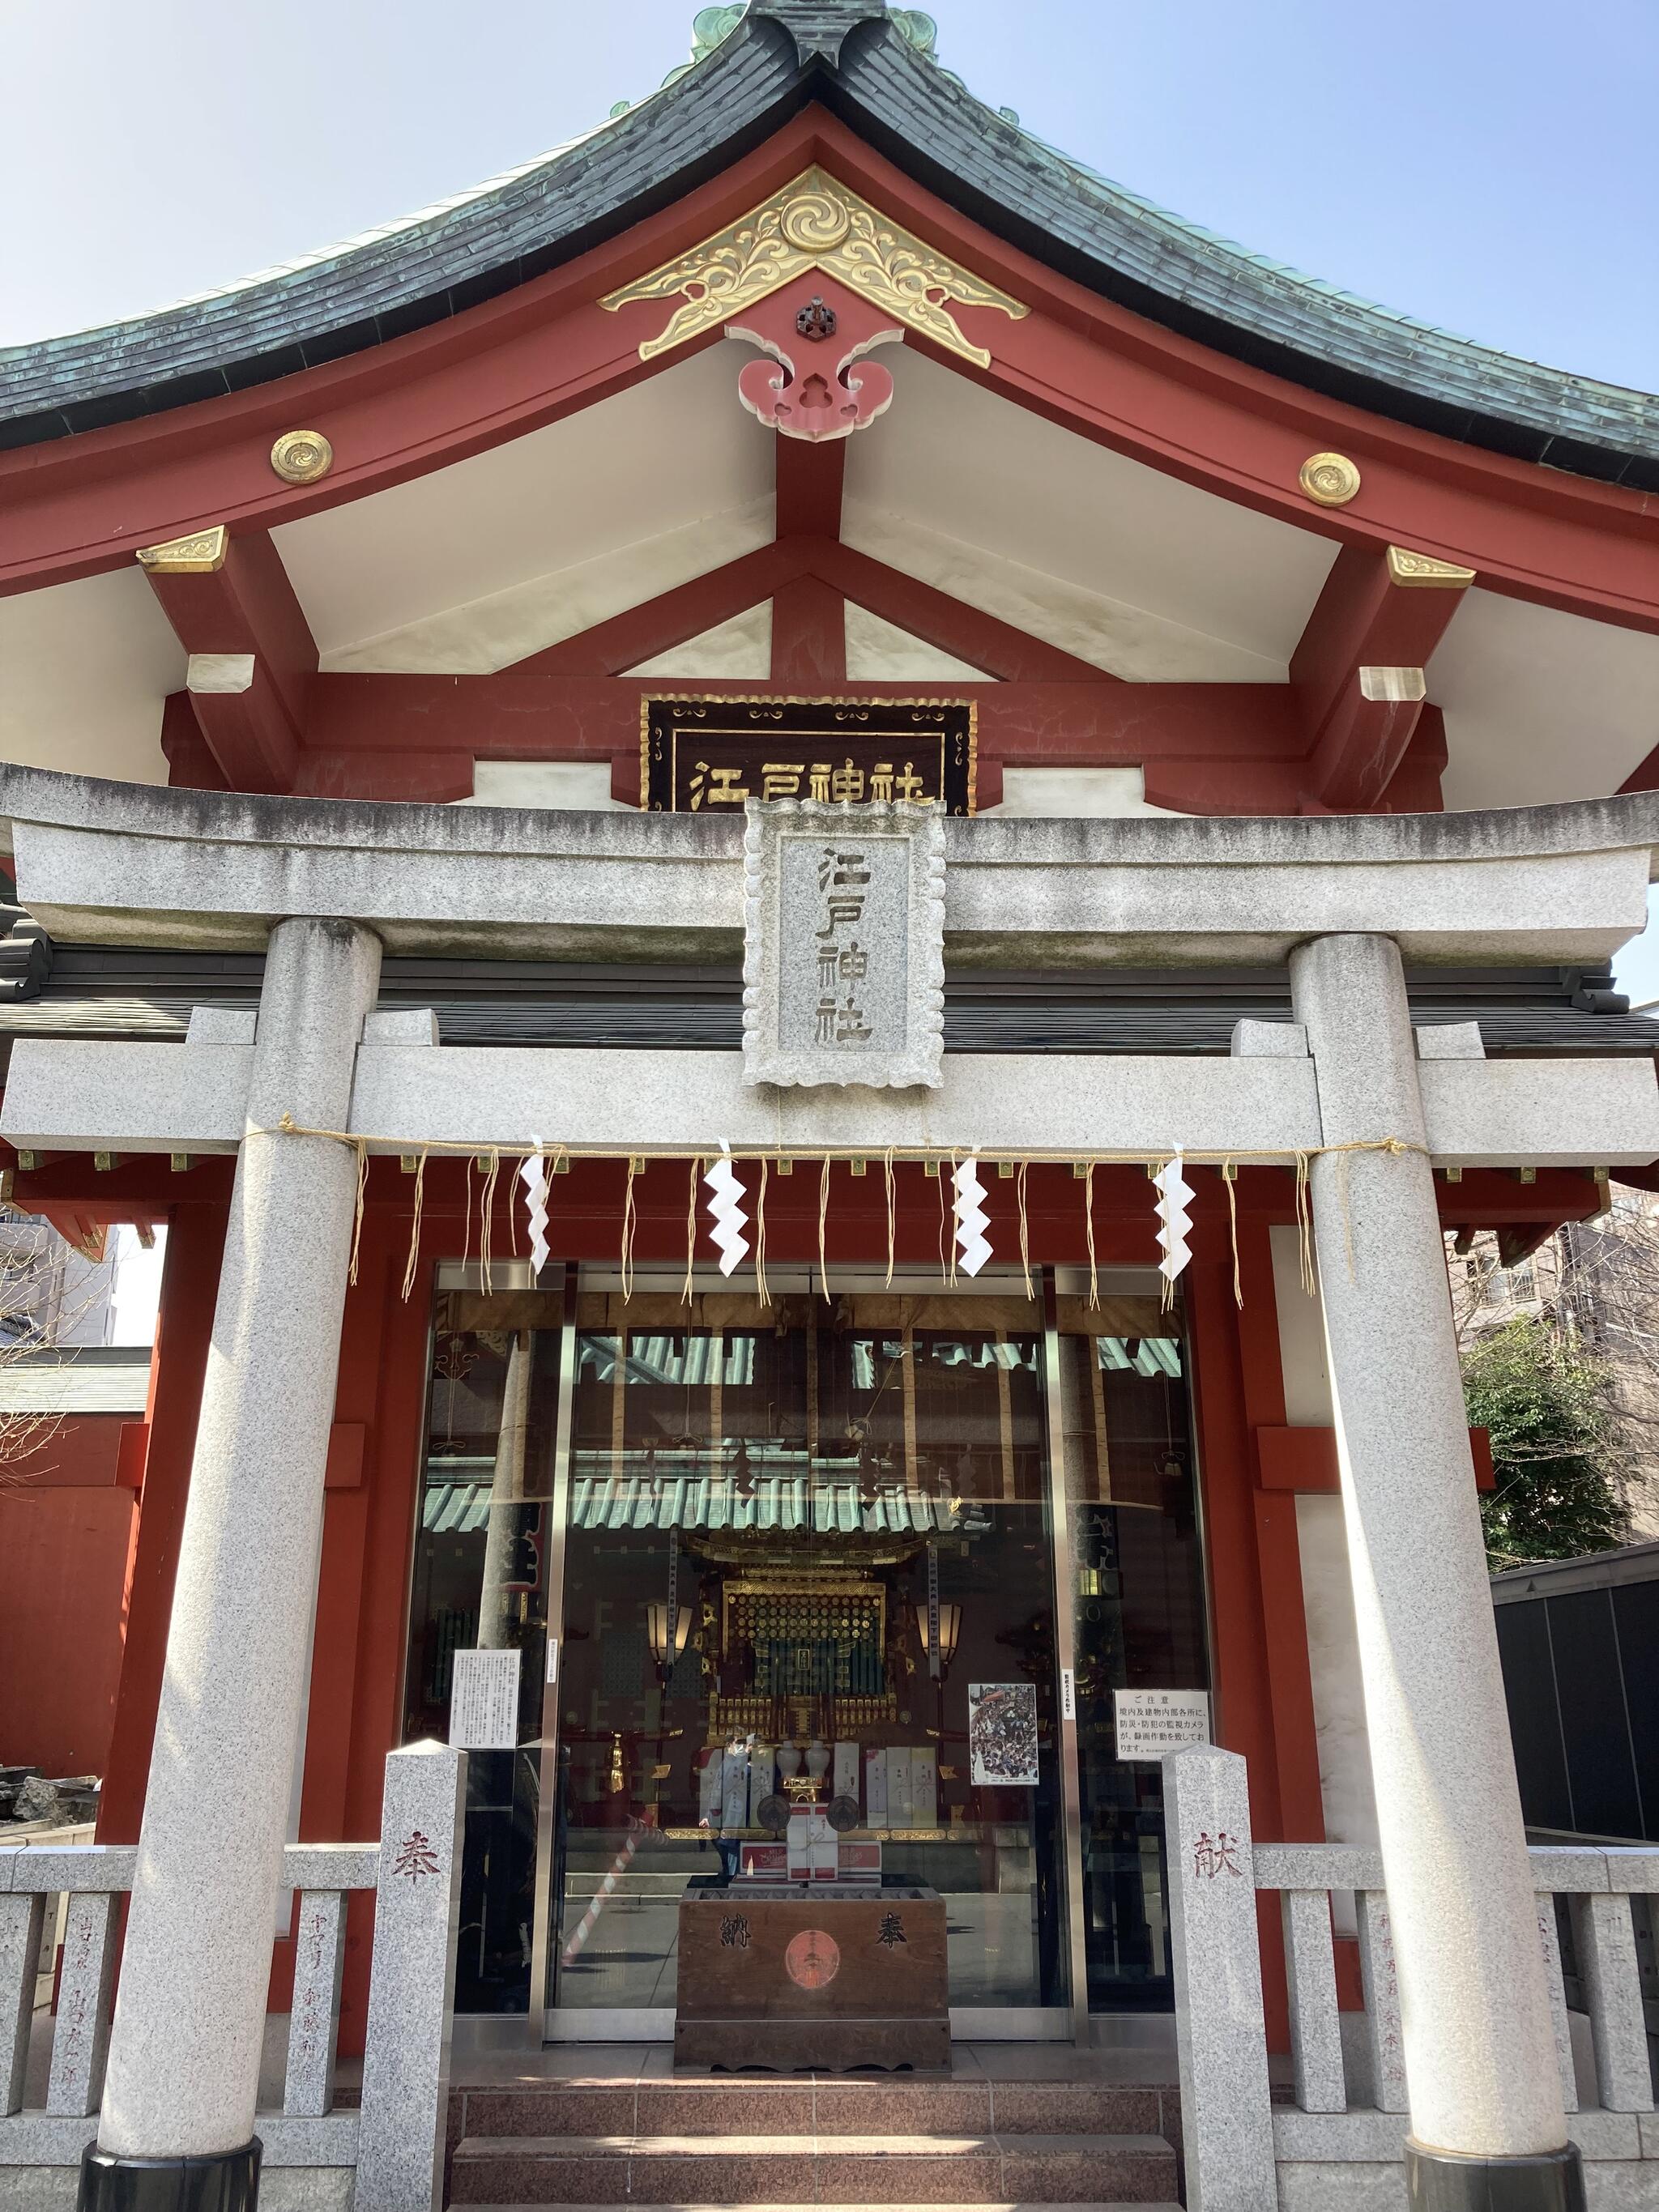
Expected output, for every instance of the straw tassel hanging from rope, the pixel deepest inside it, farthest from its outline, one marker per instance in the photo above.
(415, 1226)
(1175, 1198)
(629, 1220)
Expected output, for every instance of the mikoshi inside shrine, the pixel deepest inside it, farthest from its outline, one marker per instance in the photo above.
(807, 863)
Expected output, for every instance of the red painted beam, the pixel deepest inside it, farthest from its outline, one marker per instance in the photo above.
(952, 624)
(659, 625)
(1414, 787)
(190, 758)
(809, 636)
(809, 479)
(248, 607)
(190, 1283)
(1495, 1198)
(532, 712)
(1365, 627)
(809, 618)
(1304, 1460)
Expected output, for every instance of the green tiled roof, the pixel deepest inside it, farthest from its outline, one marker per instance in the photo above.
(750, 68)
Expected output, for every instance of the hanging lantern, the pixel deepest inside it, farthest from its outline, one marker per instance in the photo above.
(666, 1627)
(950, 1628)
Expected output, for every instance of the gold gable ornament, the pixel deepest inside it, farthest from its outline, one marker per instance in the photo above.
(1421, 571)
(815, 223)
(199, 553)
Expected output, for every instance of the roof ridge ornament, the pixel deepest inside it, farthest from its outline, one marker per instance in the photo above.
(820, 26)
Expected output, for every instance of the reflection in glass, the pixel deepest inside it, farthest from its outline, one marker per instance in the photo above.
(480, 1582)
(1138, 1590)
(808, 1487)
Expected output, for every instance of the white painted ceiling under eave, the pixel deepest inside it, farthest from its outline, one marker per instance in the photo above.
(479, 565)
(1118, 564)
(1540, 705)
(84, 670)
(668, 457)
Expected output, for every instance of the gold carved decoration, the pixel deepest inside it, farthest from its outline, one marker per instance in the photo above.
(1329, 479)
(302, 455)
(815, 223)
(199, 553)
(1425, 571)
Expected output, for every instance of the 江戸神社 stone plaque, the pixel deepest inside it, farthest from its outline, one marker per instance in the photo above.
(843, 964)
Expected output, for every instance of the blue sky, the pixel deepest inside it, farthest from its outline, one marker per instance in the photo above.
(1484, 164)
(1487, 164)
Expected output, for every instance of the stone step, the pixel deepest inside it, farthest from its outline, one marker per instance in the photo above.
(816, 2106)
(749, 2169)
(1161, 2206)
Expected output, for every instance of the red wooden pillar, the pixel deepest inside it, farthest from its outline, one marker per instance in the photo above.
(1242, 1677)
(190, 1287)
(368, 1528)
(1279, 1552)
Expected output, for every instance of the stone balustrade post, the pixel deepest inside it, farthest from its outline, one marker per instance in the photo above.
(1226, 2117)
(417, 1909)
(183, 2069)
(1480, 2074)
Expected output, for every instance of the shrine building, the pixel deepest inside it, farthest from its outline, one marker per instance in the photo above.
(807, 861)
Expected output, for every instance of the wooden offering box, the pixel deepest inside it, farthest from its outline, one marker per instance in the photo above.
(834, 1974)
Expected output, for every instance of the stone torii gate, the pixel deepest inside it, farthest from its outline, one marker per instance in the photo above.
(323, 888)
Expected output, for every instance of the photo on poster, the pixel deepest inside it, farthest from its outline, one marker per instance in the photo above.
(1002, 1733)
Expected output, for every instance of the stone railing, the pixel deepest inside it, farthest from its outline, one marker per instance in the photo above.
(1334, 2145)
(389, 2152)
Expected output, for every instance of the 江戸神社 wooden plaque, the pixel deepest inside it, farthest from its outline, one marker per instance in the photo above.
(699, 755)
(804, 1975)
(843, 946)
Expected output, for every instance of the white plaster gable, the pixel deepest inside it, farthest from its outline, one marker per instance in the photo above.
(583, 785)
(878, 651)
(480, 635)
(1542, 705)
(1122, 639)
(647, 462)
(84, 670)
(1125, 565)
(741, 648)
(1100, 793)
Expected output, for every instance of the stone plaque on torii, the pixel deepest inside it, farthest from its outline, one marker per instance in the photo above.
(843, 962)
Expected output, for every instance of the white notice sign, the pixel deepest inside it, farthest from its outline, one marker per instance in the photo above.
(1151, 1721)
(483, 1701)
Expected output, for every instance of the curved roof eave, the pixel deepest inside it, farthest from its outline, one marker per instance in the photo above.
(404, 276)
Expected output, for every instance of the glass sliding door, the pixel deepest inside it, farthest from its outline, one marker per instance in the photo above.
(808, 1539)
(807, 1547)
(1138, 1599)
(483, 1563)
